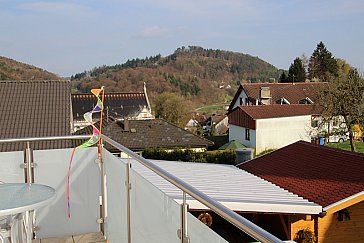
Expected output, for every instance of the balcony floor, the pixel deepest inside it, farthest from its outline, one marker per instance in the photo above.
(85, 238)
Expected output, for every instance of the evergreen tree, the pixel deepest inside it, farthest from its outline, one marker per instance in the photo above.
(322, 64)
(283, 78)
(296, 72)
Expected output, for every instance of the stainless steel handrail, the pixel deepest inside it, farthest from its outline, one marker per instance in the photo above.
(240, 222)
(17, 140)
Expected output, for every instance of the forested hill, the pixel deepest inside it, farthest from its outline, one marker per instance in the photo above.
(13, 70)
(204, 75)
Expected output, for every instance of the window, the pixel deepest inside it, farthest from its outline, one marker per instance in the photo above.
(247, 101)
(241, 100)
(247, 134)
(314, 121)
(343, 215)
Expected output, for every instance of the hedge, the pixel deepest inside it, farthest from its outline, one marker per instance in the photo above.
(188, 155)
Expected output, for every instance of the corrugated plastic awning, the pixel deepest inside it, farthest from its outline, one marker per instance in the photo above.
(233, 187)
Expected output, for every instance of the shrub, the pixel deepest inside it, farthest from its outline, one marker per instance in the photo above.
(305, 236)
(188, 155)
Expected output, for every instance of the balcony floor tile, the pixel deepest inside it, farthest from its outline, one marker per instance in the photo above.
(84, 238)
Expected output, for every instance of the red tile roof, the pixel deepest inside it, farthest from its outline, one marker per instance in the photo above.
(320, 174)
(291, 92)
(274, 111)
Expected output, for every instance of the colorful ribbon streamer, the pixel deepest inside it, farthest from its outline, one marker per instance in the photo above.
(99, 107)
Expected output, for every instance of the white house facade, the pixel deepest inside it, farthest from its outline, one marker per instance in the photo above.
(270, 126)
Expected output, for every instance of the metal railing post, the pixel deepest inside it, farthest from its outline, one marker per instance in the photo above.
(184, 211)
(29, 215)
(128, 199)
(28, 164)
(103, 189)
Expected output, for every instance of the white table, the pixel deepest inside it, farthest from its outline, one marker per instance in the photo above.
(19, 198)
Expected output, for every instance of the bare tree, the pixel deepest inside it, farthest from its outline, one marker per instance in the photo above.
(344, 99)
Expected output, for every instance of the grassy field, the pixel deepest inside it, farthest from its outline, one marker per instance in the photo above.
(212, 108)
(346, 146)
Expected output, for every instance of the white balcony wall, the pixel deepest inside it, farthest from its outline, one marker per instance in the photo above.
(200, 233)
(116, 211)
(155, 216)
(51, 170)
(10, 171)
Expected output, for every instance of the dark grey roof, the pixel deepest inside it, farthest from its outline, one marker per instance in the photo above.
(119, 105)
(34, 109)
(142, 134)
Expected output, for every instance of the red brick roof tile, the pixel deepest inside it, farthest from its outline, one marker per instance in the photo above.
(274, 111)
(320, 174)
(291, 92)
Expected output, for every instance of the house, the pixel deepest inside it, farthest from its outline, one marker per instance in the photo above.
(276, 93)
(265, 204)
(35, 109)
(216, 124)
(120, 105)
(328, 177)
(138, 135)
(266, 127)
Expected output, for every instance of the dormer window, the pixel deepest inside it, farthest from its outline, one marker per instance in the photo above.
(305, 101)
(283, 101)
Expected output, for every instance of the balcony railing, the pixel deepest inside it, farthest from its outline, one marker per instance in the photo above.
(108, 195)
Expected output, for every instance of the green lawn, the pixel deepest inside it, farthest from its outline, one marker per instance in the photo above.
(210, 108)
(346, 146)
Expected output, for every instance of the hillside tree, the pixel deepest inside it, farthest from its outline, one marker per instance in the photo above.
(322, 64)
(297, 72)
(344, 97)
(173, 108)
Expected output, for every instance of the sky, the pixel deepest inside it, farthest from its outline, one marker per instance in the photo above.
(67, 37)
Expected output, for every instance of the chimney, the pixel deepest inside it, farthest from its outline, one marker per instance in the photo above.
(243, 155)
(265, 95)
(126, 125)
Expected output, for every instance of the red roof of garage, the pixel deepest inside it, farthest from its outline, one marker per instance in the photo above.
(320, 174)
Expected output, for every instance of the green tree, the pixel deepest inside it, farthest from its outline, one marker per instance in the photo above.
(296, 72)
(173, 108)
(344, 97)
(343, 67)
(322, 64)
(283, 78)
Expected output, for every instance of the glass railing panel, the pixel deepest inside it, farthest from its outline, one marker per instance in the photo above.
(51, 170)
(116, 221)
(10, 170)
(155, 217)
(201, 233)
